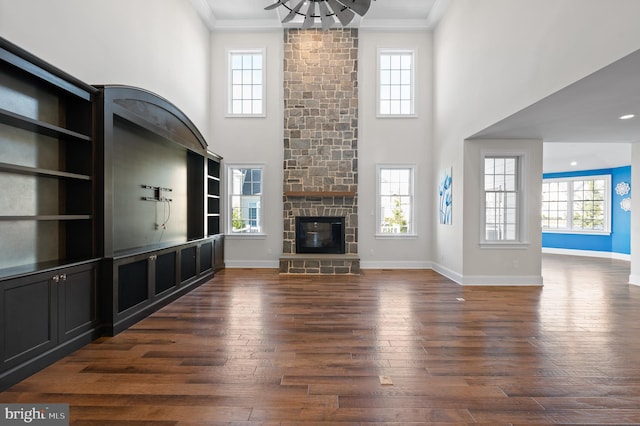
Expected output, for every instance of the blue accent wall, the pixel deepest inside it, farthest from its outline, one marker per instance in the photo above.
(619, 241)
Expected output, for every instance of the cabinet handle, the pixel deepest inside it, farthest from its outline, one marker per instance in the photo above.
(56, 278)
(63, 277)
(153, 257)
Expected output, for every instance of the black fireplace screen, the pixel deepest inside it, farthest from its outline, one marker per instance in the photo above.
(316, 234)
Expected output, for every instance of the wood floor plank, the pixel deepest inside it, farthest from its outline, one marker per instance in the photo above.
(255, 347)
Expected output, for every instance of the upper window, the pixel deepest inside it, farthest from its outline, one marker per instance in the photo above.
(395, 200)
(246, 83)
(502, 199)
(396, 87)
(576, 204)
(245, 199)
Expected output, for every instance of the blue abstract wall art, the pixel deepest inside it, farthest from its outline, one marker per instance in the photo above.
(444, 191)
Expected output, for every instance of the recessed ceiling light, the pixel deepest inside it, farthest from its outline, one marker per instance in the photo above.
(626, 116)
(574, 163)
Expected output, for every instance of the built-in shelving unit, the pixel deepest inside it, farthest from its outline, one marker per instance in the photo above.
(48, 255)
(213, 194)
(109, 209)
(154, 251)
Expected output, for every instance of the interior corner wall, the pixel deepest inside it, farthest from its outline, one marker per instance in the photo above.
(495, 57)
(634, 275)
(621, 219)
(163, 48)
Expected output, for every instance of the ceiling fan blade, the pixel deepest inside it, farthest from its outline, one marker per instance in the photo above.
(273, 6)
(309, 19)
(325, 16)
(293, 12)
(358, 6)
(345, 16)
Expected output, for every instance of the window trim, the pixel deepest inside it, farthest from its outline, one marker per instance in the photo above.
(229, 205)
(414, 90)
(229, 95)
(413, 172)
(607, 204)
(522, 226)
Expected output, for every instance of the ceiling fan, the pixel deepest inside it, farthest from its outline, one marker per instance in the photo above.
(344, 10)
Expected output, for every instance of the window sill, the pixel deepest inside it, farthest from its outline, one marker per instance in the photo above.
(396, 236)
(245, 115)
(573, 232)
(247, 236)
(501, 245)
(396, 115)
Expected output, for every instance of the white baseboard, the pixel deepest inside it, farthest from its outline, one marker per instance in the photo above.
(587, 253)
(252, 264)
(391, 264)
(448, 273)
(503, 280)
(489, 280)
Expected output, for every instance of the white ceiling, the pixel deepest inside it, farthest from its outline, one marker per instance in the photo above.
(578, 124)
(225, 14)
(581, 122)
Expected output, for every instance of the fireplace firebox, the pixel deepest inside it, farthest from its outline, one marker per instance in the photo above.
(315, 234)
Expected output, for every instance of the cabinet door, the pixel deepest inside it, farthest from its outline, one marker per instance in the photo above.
(206, 256)
(29, 321)
(188, 265)
(218, 252)
(77, 301)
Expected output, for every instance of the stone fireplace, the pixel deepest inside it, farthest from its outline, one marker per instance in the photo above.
(320, 144)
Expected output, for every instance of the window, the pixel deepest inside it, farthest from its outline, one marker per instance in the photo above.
(246, 81)
(396, 70)
(245, 199)
(395, 200)
(576, 204)
(501, 199)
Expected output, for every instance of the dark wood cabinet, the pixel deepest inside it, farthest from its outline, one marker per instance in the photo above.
(218, 252)
(77, 301)
(109, 209)
(46, 315)
(157, 204)
(142, 282)
(48, 185)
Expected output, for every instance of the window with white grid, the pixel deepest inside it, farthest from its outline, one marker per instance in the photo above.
(395, 200)
(246, 83)
(501, 198)
(576, 204)
(396, 83)
(245, 199)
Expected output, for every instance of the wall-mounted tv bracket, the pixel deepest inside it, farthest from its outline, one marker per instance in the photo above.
(157, 193)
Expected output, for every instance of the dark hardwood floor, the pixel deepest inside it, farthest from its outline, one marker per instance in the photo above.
(254, 347)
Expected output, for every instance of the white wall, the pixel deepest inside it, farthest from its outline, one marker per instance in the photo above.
(161, 46)
(634, 274)
(252, 141)
(395, 141)
(518, 264)
(260, 140)
(495, 57)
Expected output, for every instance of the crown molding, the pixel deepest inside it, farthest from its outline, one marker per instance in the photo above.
(203, 9)
(205, 12)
